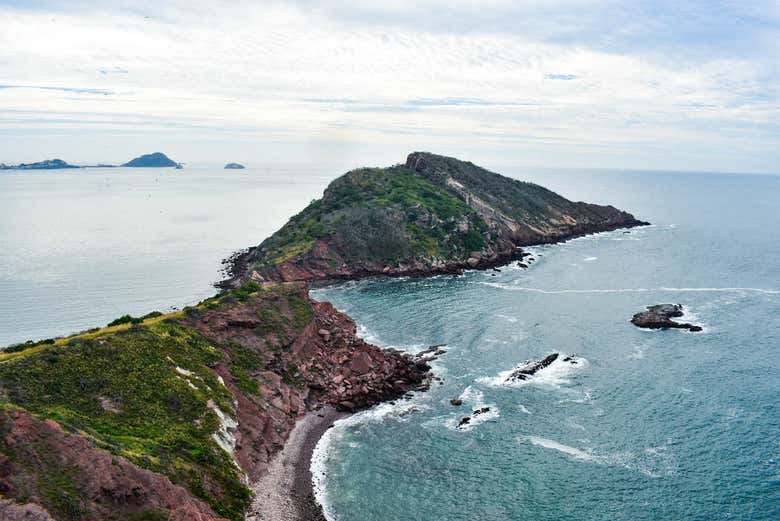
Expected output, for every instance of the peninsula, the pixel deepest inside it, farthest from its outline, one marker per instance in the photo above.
(173, 416)
(49, 164)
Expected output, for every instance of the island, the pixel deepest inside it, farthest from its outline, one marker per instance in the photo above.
(49, 164)
(234, 166)
(157, 159)
(197, 414)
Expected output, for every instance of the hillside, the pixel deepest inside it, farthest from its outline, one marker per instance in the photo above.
(432, 214)
(163, 417)
(157, 159)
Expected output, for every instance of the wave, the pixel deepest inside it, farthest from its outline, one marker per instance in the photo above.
(499, 285)
(475, 400)
(590, 259)
(324, 448)
(556, 374)
(560, 447)
(653, 462)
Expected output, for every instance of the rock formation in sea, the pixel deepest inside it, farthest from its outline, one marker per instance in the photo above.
(157, 159)
(433, 214)
(660, 317)
(49, 164)
(171, 416)
(234, 166)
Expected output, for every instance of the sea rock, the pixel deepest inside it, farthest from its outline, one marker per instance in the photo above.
(456, 402)
(234, 166)
(660, 317)
(464, 421)
(532, 367)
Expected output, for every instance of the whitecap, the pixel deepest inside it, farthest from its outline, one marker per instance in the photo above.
(560, 447)
(590, 259)
(555, 374)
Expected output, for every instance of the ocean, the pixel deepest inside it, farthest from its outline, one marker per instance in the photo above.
(649, 425)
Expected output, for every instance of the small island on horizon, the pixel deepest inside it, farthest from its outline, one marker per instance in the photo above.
(234, 166)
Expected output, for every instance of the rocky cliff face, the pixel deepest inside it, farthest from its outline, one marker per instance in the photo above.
(433, 214)
(167, 419)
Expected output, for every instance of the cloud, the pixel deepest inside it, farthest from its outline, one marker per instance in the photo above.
(565, 77)
(665, 79)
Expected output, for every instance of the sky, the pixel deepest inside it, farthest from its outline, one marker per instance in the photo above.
(665, 85)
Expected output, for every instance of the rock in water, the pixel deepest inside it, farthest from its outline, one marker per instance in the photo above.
(234, 166)
(532, 367)
(660, 317)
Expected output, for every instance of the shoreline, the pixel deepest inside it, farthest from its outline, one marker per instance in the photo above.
(285, 492)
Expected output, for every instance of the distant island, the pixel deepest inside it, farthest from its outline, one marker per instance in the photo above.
(184, 415)
(157, 159)
(234, 166)
(49, 164)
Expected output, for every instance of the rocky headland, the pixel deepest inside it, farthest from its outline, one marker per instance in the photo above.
(430, 215)
(190, 415)
(660, 317)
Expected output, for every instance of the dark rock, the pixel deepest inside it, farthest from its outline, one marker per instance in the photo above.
(234, 166)
(660, 317)
(532, 367)
(456, 402)
(463, 421)
(482, 410)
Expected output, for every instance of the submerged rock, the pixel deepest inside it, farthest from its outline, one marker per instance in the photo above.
(660, 317)
(456, 402)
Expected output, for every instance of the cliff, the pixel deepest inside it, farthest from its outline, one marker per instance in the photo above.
(433, 214)
(164, 418)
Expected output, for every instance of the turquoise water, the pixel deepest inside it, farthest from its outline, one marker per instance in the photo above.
(655, 425)
(663, 425)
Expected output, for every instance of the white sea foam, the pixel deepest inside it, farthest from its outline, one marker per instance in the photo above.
(499, 285)
(473, 399)
(399, 411)
(560, 447)
(523, 408)
(555, 374)
(590, 259)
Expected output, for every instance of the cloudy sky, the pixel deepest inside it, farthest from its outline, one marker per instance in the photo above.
(617, 84)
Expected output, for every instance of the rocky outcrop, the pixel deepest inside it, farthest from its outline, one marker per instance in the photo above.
(431, 215)
(234, 166)
(660, 317)
(531, 367)
(322, 362)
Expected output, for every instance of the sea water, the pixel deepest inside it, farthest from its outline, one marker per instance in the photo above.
(651, 425)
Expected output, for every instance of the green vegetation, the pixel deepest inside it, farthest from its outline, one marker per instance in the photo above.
(141, 393)
(381, 215)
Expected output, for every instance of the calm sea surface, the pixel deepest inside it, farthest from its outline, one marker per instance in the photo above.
(664, 425)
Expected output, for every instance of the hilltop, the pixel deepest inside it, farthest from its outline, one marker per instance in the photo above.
(432, 214)
(157, 159)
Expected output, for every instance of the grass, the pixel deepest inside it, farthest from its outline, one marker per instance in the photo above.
(161, 422)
